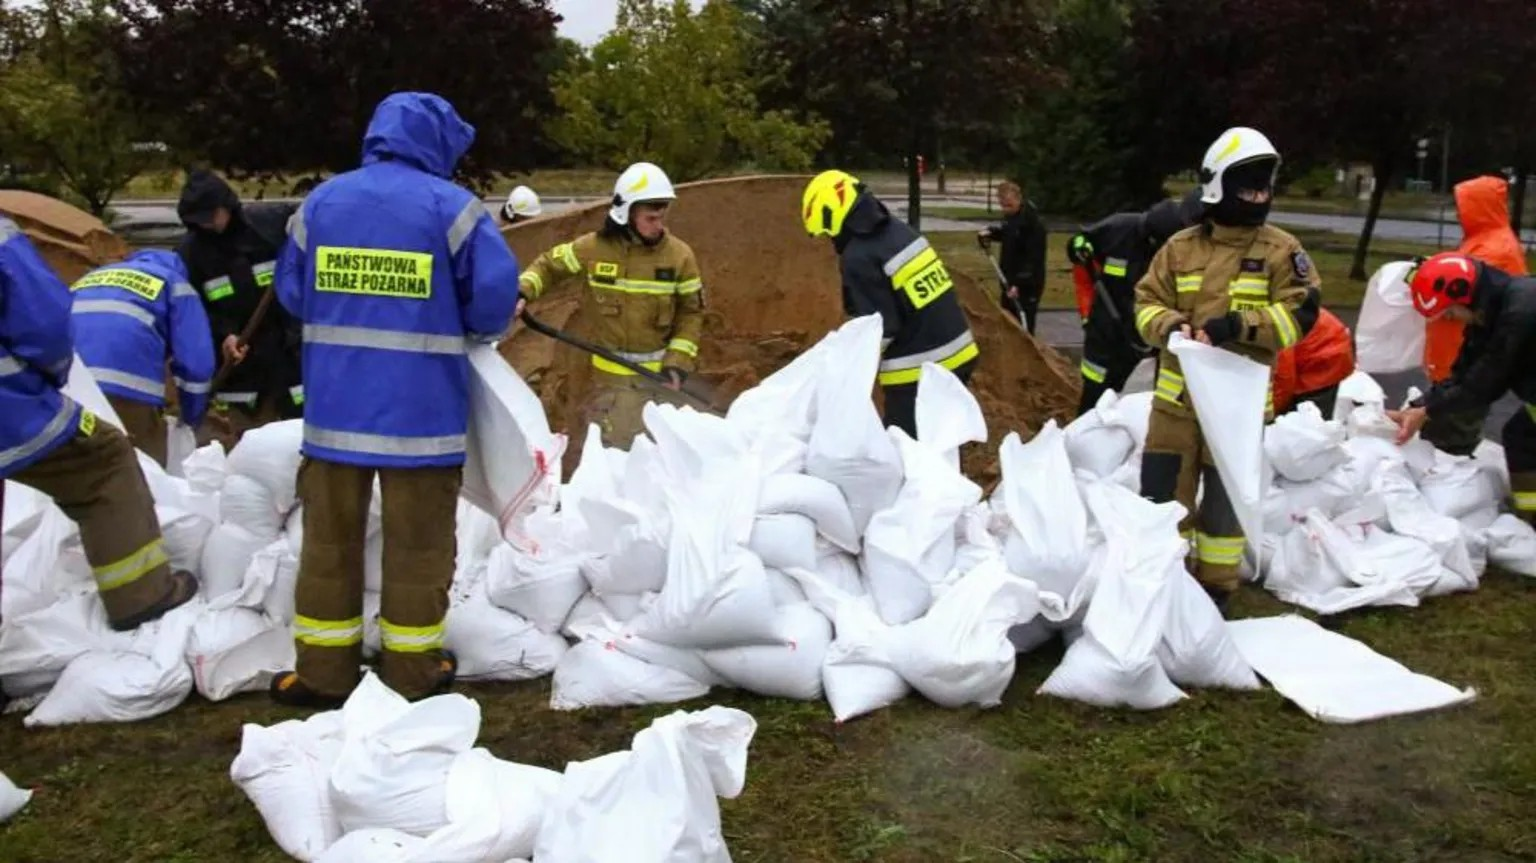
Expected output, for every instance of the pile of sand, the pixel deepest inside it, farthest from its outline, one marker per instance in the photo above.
(771, 293)
(72, 241)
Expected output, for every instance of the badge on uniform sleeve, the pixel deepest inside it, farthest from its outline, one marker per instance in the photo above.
(1301, 264)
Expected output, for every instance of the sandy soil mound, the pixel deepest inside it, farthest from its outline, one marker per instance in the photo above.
(772, 292)
(72, 241)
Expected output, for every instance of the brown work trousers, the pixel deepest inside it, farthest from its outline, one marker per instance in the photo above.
(419, 506)
(145, 424)
(227, 423)
(95, 478)
(616, 405)
(1172, 467)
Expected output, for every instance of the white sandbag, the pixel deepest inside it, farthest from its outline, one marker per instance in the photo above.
(111, 685)
(633, 553)
(1389, 333)
(657, 802)
(285, 771)
(1301, 446)
(1287, 502)
(786, 399)
(589, 613)
(1409, 514)
(859, 676)
(270, 456)
(1357, 389)
(12, 799)
(947, 414)
(393, 767)
(43, 560)
(784, 541)
(1048, 543)
(180, 443)
(270, 581)
(910, 546)
(374, 845)
(1511, 544)
(1115, 661)
(247, 503)
(1334, 678)
(227, 555)
(233, 650)
(595, 674)
(1196, 649)
(848, 445)
(959, 653)
(1136, 412)
(1100, 441)
(82, 387)
(491, 643)
(1229, 392)
(789, 669)
(785, 590)
(185, 534)
(542, 586)
(36, 647)
(1490, 457)
(512, 462)
(840, 570)
(494, 811)
(1458, 487)
(816, 498)
(476, 535)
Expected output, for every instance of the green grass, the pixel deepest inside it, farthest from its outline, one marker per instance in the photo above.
(1224, 776)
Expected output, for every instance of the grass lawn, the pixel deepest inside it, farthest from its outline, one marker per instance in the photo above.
(1223, 776)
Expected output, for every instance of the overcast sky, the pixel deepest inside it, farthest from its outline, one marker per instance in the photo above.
(587, 20)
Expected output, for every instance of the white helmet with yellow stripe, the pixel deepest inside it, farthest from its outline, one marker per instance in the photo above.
(641, 182)
(1235, 147)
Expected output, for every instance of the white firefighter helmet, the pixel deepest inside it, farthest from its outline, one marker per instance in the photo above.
(640, 183)
(523, 202)
(1234, 147)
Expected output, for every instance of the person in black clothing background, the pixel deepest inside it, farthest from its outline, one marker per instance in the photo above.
(1022, 236)
(231, 251)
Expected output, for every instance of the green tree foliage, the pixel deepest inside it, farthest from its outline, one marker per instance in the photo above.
(674, 87)
(62, 109)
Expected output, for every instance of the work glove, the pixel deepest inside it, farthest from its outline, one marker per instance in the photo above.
(1224, 329)
(1080, 250)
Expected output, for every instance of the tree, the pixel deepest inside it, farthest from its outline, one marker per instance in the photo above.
(894, 79)
(673, 86)
(270, 86)
(61, 107)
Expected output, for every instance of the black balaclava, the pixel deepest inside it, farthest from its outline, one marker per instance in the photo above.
(1253, 174)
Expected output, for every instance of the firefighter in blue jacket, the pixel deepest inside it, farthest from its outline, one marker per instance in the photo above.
(85, 464)
(126, 316)
(389, 268)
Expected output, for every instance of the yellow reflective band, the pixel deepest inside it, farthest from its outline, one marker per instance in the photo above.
(635, 286)
(1189, 284)
(923, 279)
(87, 423)
(690, 286)
(133, 281)
(613, 368)
(265, 273)
(1525, 501)
(1093, 372)
(131, 568)
(534, 283)
(1259, 290)
(1146, 316)
(683, 346)
(911, 376)
(1170, 386)
(373, 272)
(1530, 411)
(1115, 270)
(1220, 550)
(1285, 324)
(327, 633)
(565, 253)
(410, 639)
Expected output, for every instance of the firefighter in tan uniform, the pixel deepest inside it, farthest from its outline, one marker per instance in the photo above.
(1232, 282)
(643, 299)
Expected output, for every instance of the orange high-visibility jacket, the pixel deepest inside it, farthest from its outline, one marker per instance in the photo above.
(1324, 358)
(1483, 206)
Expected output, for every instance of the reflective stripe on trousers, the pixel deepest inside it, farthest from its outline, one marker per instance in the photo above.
(131, 568)
(1219, 550)
(410, 639)
(650, 360)
(327, 633)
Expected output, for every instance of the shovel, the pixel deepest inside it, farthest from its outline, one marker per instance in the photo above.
(1001, 279)
(696, 400)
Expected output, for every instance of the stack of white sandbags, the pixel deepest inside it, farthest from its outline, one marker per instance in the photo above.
(385, 781)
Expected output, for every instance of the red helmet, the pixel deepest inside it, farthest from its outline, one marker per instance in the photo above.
(1443, 281)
